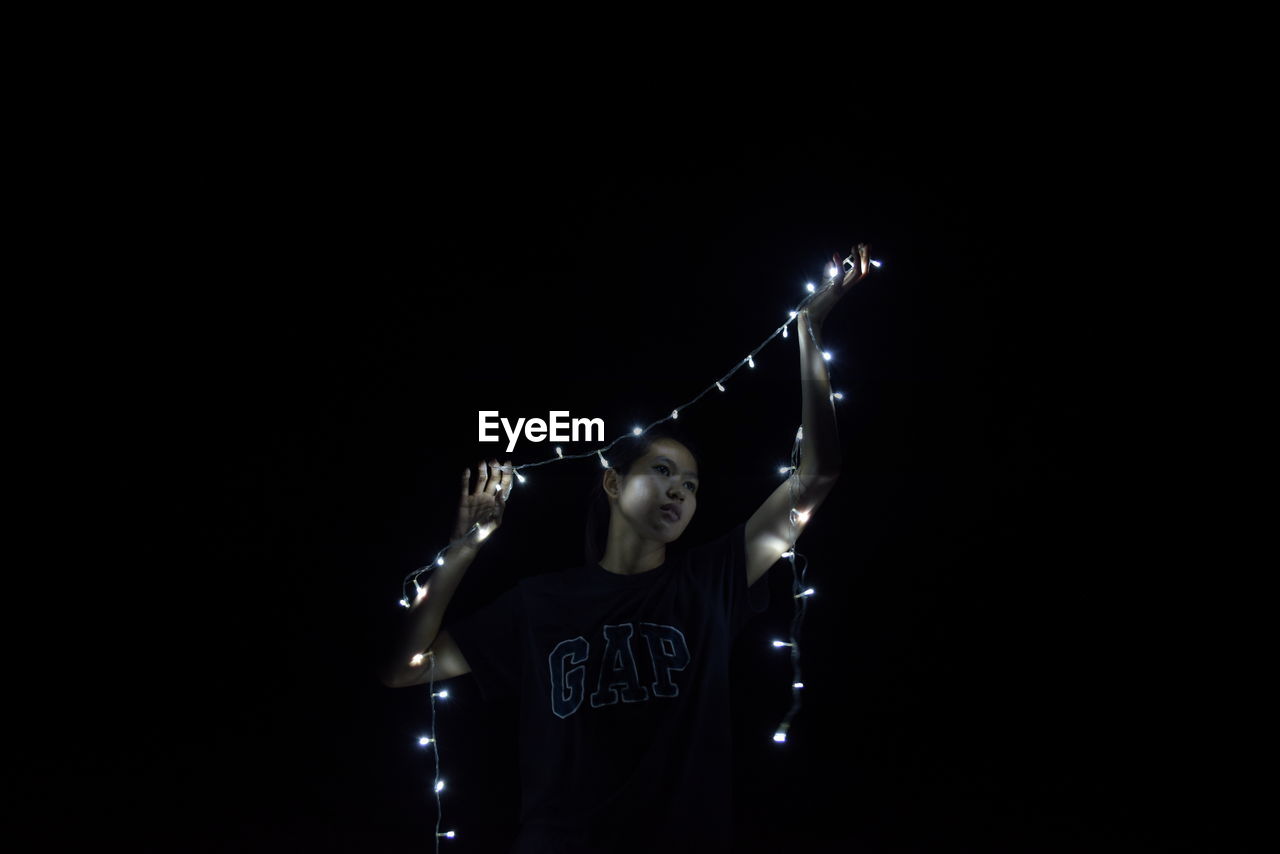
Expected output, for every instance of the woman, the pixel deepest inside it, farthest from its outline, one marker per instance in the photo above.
(620, 666)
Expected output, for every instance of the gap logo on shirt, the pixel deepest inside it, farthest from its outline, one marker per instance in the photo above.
(618, 678)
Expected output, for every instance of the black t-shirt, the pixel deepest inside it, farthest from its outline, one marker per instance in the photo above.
(623, 689)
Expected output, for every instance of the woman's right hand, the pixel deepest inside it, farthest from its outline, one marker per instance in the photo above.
(483, 503)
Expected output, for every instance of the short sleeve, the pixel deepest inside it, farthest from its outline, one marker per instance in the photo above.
(723, 562)
(489, 641)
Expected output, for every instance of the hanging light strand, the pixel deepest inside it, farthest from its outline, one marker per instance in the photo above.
(800, 593)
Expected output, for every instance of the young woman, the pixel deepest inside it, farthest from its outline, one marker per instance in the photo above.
(620, 666)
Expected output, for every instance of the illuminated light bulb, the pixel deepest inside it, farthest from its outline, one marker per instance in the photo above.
(809, 286)
(875, 263)
(404, 603)
(483, 534)
(799, 432)
(826, 356)
(559, 452)
(519, 477)
(777, 644)
(780, 736)
(799, 516)
(447, 834)
(444, 694)
(719, 386)
(417, 659)
(440, 561)
(440, 786)
(839, 395)
(675, 413)
(797, 684)
(751, 361)
(784, 332)
(789, 553)
(636, 430)
(784, 469)
(424, 741)
(603, 462)
(831, 272)
(808, 592)
(793, 315)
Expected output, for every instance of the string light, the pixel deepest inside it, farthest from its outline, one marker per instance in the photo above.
(795, 517)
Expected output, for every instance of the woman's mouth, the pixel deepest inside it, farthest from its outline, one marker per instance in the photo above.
(671, 512)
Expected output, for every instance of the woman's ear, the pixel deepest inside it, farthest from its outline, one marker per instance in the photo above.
(611, 487)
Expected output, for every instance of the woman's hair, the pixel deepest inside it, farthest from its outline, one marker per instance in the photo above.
(621, 457)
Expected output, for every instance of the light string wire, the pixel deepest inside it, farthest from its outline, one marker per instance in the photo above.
(798, 594)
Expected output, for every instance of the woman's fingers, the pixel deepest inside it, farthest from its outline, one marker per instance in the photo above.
(466, 482)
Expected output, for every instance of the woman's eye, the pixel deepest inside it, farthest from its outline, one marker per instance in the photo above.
(693, 487)
(664, 468)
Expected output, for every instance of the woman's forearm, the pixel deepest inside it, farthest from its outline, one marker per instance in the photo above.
(421, 625)
(820, 447)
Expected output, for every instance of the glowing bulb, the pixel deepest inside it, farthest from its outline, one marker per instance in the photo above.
(440, 786)
(784, 470)
(404, 603)
(559, 453)
(719, 386)
(777, 644)
(789, 553)
(483, 533)
(826, 356)
(784, 332)
(519, 477)
(417, 659)
(797, 684)
(875, 263)
(423, 741)
(838, 395)
(831, 272)
(810, 287)
(800, 516)
(780, 736)
(793, 315)
(440, 561)
(675, 413)
(808, 592)
(751, 361)
(448, 834)
(603, 462)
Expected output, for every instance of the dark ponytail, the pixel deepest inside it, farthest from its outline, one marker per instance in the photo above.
(621, 457)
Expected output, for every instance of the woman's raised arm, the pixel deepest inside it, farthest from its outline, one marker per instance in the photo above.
(770, 532)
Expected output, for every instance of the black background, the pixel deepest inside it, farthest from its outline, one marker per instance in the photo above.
(278, 384)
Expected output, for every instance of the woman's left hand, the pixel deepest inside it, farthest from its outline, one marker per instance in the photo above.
(826, 297)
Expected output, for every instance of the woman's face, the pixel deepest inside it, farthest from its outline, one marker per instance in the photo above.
(660, 493)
